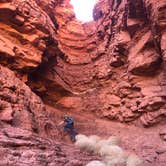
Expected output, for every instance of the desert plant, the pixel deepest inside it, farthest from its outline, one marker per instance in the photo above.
(95, 163)
(95, 138)
(118, 160)
(108, 150)
(81, 141)
(133, 160)
(86, 143)
(113, 140)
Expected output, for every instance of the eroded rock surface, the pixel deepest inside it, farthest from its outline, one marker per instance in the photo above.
(113, 67)
(26, 34)
(19, 106)
(24, 137)
(115, 64)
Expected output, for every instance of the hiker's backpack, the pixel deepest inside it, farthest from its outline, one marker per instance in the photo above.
(69, 120)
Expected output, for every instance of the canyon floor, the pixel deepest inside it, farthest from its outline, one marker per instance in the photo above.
(147, 143)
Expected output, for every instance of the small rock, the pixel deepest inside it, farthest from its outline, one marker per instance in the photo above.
(161, 150)
(162, 134)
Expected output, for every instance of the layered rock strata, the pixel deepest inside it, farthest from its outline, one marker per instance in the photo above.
(113, 66)
(26, 126)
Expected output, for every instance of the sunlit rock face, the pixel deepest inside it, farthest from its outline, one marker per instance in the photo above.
(113, 66)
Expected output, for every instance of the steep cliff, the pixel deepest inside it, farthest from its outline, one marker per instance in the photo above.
(112, 68)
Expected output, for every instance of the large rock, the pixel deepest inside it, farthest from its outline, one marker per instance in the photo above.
(145, 63)
(121, 46)
(25, 34)
(19, 105)
(22, 148)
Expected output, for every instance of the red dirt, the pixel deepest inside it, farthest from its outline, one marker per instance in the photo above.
(145, 142)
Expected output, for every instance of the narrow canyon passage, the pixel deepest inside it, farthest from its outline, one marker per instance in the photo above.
(106, 70)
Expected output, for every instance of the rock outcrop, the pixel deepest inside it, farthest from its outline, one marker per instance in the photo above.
(113, 66)
(19, 106)
(26, 34)
(24, 125)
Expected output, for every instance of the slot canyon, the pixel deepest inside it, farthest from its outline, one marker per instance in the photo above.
(108, 73)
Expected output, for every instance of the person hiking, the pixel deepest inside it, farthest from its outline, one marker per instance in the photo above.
(68, 126)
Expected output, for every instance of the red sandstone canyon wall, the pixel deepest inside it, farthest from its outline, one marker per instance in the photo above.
(113, 66)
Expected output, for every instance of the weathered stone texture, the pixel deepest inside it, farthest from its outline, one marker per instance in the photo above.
(113, 66)
(116, 63)
(24, 127)
(19, 106)
(26, 32)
